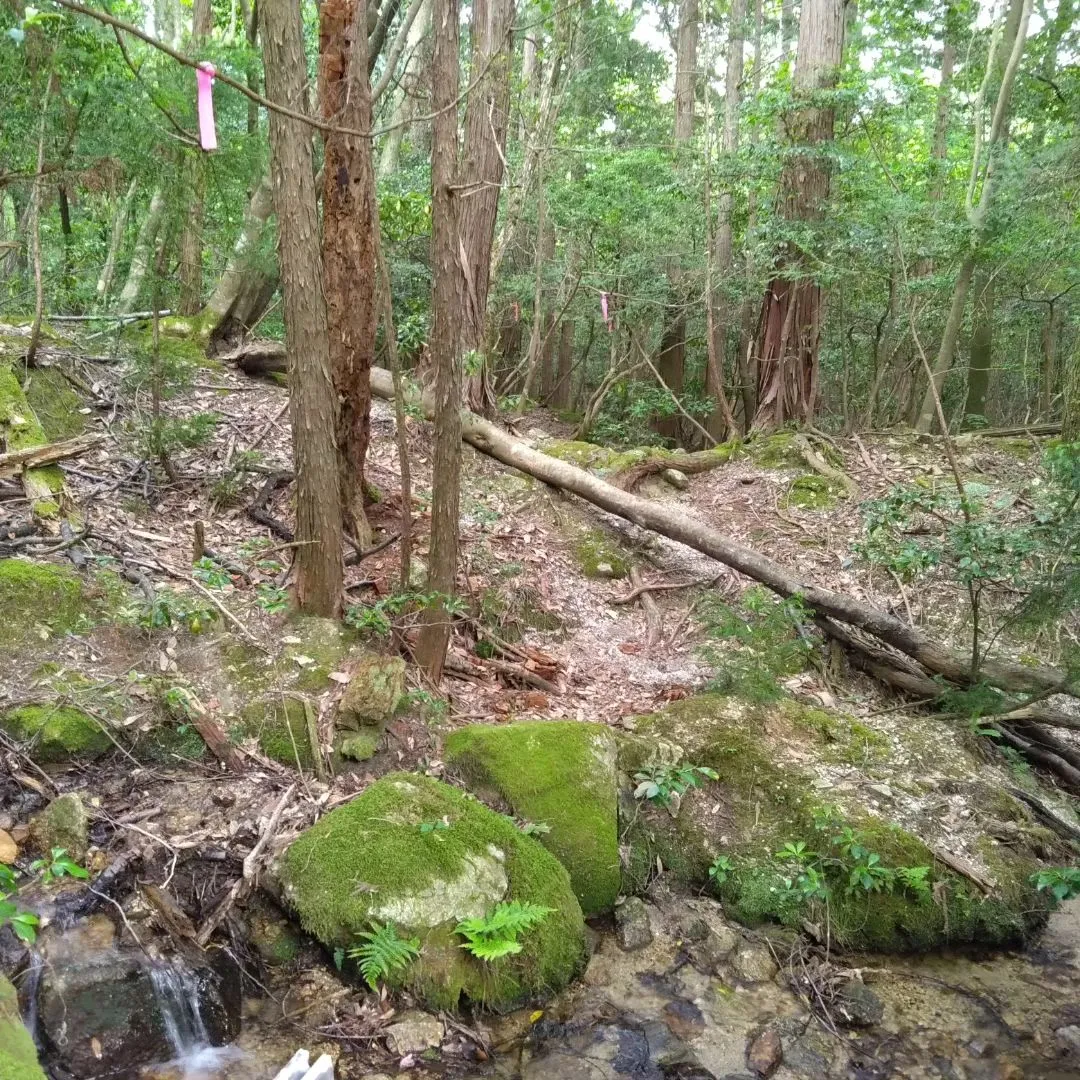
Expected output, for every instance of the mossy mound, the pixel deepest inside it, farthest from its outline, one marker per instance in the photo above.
(55, 404)
(40, 600)
(18, 1057)
(370, 861)
(812, 492)
(762, 802)
(557, 773)
(21, 428)
(279, 726)
(598, 557)
(781, 451)
(57, 733)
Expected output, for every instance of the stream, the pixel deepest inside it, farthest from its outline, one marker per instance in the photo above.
(704, 998)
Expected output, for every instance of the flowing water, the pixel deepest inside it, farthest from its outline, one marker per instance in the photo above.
(177, 991)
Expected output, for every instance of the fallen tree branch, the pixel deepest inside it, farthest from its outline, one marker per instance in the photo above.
(698, 462)
(654, 623)
(676, 524)
(33, 457)
(640, 587)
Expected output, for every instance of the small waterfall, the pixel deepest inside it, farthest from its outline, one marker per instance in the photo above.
(30, 989)
(177, 992)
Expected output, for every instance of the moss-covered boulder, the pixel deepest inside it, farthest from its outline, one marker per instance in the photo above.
(56, 733)
(372, 861)
(18, 1057)
(65, 824)
(766, 802)
(280, 728)
(555, 773)
(376, 687)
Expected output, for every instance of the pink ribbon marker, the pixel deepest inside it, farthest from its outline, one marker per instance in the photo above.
(204, 75)
(604, 310)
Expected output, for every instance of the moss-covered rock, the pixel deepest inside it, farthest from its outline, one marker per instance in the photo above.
(360, 745)
(558, 773)
(370, 861)
(18, 1057)
(762, 802)
(376, 687)
(56, 733)
(598, 557)
(602, 459)
(812, 492)
(63, 824)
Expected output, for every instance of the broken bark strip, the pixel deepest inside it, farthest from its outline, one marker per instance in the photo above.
(186, 708)
(677, 525)
(33, 457)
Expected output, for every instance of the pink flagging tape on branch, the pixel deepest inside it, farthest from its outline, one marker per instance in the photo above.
(604, 310)
(204, 75)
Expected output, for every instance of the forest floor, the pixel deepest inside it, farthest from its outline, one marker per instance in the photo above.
(540, 569)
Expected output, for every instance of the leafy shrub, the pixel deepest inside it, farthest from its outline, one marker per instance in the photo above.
(1062, 882)
(659, 782)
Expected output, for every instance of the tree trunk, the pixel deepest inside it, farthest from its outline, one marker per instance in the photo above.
(116, 239)
(141, 255)
(447, 301)
(1007, 61)
(671, 361)
(407, 93)
(560, 396)
(348, 243)
(790, 323)
(487, 116)
(245, 286)
(981, 350)
(190, 300)
(723, 309)
(311, 391)
(1048, 374)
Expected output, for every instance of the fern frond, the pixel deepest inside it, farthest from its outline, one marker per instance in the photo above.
(495, 934)
(382, 952)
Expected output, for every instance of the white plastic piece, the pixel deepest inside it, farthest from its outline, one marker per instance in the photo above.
(323, 1069)
(297, 1067)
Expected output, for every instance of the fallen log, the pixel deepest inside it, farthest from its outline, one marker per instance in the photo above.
(676, 524)
(654, 623)
(33, 457)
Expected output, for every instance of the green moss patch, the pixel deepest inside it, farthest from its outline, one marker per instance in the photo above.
(55, 404)
(762, 802)
(40, 600)
(598, 557)
(812, 492)
(559, 773)
(56, 733)
(376, 688)
(279, 726)
(63, 823)
(18, 1058)
(369, 860)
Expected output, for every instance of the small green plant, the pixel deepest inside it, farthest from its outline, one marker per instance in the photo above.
(23, 923)
(754, 644)
(211, 574)
(169, 609)
(721, 869)
(57, 865)
(431, 708)
(383, 952)
(427, 827)
(496, 935)
(535, 828)
(378, 618)
(659, 782)
(915, 879)
(1063, 882)
(273, 599)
